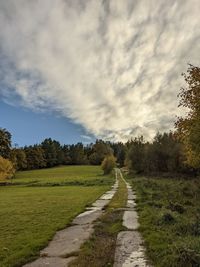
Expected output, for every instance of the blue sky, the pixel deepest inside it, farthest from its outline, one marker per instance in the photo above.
(111, 67)
(28, 127)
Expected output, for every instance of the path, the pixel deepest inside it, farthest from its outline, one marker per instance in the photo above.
(67, 242)
(129, 249)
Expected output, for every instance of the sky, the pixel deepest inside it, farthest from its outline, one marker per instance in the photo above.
(28, 127)
(77, 70)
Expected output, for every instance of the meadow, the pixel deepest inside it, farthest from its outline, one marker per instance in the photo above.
(30, 215)
(169, 215)
(63, 175)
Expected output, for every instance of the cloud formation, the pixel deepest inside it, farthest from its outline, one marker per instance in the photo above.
(112, 66)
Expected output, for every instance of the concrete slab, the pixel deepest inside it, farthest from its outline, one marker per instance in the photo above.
(93, 208)
(109, 195)
(101, 203)
(131, 204)
(131, 196)
(136, 259)
(87, 217)
(130, 219)
(129, 251)
(50, 262)
(67, 241)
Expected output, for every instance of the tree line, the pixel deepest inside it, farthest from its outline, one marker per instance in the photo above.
(172, 152)
(51, 153)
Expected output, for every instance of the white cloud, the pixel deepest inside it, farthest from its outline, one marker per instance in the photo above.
(112, 66)
(87, 137)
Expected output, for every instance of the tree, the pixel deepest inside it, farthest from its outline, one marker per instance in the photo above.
(188, 127)
(77, 154)
(66, 155)
(136, 154)
(5, 143)
(108, 164)
(35, 157)
(6, 169)
(99, 150)
(163, 154)
(53, 152)
(119, 151)
(18, 157)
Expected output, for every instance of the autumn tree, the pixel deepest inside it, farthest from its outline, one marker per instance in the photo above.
(108, 164)
(188, 127)
(6, 169)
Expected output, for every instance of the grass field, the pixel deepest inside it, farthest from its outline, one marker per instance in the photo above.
(30, 215)
(169, 214)
(64, 175)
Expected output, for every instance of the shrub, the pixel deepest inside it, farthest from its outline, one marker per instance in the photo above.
(6, 169)
(108, 164)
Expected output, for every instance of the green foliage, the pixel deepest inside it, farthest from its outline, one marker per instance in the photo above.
(99, 150)
(53, 153)
(188, 127)
(108, 164)
(136, 154)
(77, 154)
(119, 151)
(35, 157)
(5, 143)
(6, 169)
(164, 154)
(18, 157)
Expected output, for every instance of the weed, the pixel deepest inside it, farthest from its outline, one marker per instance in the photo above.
(169, 217)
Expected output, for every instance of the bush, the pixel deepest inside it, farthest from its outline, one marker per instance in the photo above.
(108, 164)
(6, 169)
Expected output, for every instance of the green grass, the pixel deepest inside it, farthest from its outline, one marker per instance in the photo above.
(63, 175)
(169, 214)
(99, 250)
(30, 215)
